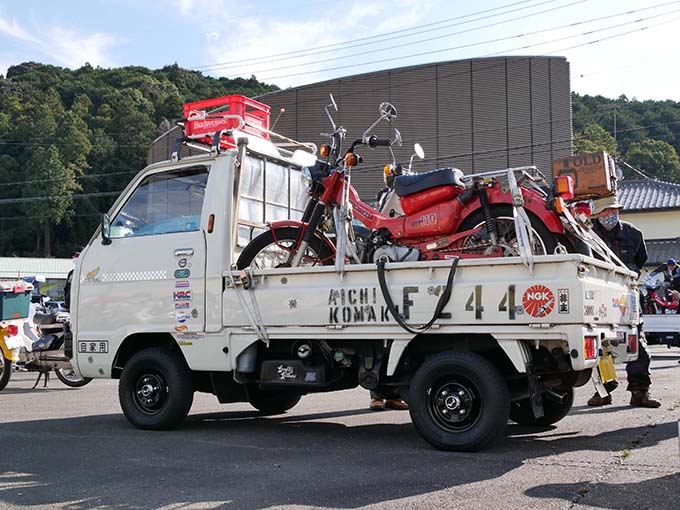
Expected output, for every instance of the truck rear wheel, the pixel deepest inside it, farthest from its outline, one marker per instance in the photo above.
(272, 402)
(521, 413)
(459, 401)
(156, 390)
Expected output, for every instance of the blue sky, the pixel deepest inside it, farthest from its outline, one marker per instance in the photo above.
(612, 50)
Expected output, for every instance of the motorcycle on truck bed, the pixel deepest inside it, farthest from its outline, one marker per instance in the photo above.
(163, 300)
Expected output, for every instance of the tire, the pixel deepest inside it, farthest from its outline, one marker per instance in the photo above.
(521, 413)
(69, 378)
(270, 244)
(5, 371)
(272, 402)
(448, 384)
(156, 389)
(545, 241)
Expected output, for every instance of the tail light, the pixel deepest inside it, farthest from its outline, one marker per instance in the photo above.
(564, 187)
(633, 344)
(12, 330)
(583, 208)
(590, 347)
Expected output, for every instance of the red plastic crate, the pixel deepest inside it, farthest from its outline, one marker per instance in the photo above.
(204, 123)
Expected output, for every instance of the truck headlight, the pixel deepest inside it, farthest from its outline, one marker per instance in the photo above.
(306, 176)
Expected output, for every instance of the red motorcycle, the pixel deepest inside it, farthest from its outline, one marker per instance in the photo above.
(445, 213)
(659, 299)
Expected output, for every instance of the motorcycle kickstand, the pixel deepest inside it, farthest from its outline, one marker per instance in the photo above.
(46, 373)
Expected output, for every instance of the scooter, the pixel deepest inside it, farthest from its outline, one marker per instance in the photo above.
(446, 214)
(40, 348)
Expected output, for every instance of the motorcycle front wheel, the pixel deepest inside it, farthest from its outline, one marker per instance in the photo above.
(69, 378)
(276, 247)
(544, 241)
(5, 371)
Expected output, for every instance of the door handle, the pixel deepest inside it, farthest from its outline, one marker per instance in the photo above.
(184, 252)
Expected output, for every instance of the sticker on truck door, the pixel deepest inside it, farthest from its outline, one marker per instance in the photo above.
(538, 301)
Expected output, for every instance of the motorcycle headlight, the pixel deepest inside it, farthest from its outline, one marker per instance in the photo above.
(306, 176)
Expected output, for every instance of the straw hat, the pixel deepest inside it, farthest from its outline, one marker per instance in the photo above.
(601, 204)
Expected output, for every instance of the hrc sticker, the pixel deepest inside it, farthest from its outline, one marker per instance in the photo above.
(538, 301)
(181, 295)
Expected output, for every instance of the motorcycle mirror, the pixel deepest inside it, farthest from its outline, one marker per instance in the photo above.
(387, 111)
(333, 103)
(418, 149)
(397, 137)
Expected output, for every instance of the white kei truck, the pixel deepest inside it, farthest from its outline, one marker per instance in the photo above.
(157, 302)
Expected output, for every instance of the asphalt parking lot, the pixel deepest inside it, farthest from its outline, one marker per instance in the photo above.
(73, 449)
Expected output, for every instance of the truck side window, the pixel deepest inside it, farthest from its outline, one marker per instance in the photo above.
(162, 204)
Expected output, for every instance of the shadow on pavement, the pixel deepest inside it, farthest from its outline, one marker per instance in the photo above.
(244, 461)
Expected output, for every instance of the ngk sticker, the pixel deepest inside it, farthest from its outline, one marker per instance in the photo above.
(538, 301)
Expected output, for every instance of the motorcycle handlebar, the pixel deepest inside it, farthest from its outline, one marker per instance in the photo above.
(373, 142)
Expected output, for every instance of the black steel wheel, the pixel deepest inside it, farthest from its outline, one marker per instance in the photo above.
(275, 248)
(156, 389)
(522, 414)
(5, 371)
(459, 401)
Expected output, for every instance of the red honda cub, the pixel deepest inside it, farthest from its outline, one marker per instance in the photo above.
(434, 215)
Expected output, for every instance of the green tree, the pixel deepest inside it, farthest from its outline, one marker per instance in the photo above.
(49, 191)
(655, 158)
(593, 139)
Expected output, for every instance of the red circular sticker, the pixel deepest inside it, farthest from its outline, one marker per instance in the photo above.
(538, 301)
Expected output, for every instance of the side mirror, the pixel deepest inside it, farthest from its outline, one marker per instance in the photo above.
(418, 151)
(106, 229)
(387, 111)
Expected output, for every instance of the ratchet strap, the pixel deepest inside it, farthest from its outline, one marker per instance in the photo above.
(443, 299)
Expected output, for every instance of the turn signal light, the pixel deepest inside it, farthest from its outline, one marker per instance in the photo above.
(12, 330)
(351, 159)
(564, 187)
(325, 151)
(211, 223)
(559, 205)
(590, 347)
(388, 170)
(633, 344)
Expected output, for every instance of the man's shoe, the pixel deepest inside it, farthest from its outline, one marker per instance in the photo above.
(399, 405)
(596, 400)
(642, 399)
(377, 404)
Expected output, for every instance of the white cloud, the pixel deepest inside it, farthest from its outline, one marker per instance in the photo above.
(258, 41)
(63, 46)
(212, 36)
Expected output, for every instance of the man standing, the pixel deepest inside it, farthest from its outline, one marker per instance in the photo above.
(627, 243)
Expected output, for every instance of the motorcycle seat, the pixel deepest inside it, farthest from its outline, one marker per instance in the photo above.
(405, 185)
(43, 319)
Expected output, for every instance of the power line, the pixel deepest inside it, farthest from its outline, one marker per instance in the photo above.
(429, 39)
(75, 195)
(90, 176)
(362, 39)
(432, 52)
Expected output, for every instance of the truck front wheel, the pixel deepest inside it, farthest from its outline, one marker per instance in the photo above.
(459, 401)
(521, 413)
(156, 390)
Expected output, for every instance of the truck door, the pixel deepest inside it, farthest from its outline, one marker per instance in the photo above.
(151, 277)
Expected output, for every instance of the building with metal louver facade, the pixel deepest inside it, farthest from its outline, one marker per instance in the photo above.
(476, 115)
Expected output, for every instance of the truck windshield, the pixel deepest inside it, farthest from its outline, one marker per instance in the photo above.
(163, 203)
